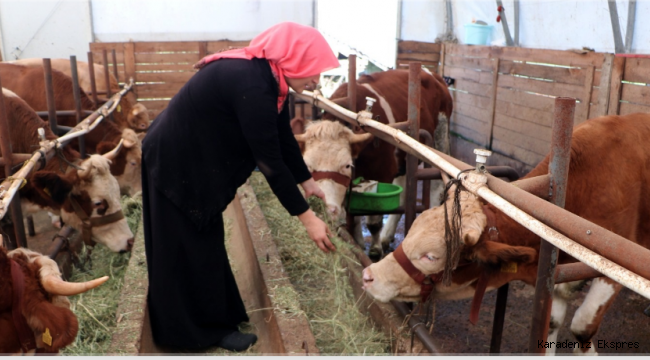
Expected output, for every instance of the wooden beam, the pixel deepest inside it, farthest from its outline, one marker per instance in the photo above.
(618, 72)
(604, 87)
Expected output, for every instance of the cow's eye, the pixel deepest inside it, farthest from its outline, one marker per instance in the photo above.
(430, 257)
(133, 163)
(349, 166)
(98, 203)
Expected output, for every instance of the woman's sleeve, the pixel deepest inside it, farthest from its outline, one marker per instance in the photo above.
(256, 108)
(290, 149)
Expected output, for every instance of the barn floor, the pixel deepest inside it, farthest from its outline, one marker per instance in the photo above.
(453, 333)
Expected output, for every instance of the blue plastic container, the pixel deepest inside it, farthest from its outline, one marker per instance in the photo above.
(476, 34)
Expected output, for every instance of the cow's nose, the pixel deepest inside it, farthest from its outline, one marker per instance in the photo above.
(333, 209)
(129, 244)
(367, 278)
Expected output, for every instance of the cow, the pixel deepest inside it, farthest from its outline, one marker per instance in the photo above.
(379, 160)
(86, 190)
(617, 200)
(130, 114)
(29, 84)
(41, 321)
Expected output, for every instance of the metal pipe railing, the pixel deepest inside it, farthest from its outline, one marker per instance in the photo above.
(406, 143)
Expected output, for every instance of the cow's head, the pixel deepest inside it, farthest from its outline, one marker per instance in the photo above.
(126, 159)
(138, 117)
(426, 248)
(329, 148)
(97, 194)
(44, 305)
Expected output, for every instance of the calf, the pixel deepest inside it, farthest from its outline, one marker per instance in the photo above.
(379, 160)
(617, 200)
(86, 194)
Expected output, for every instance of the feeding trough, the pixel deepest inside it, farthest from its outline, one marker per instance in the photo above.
(374, 197)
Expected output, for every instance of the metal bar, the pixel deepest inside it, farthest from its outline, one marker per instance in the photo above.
(573, 272)
(411, 191)
(499, 318)
(76, 91)
(426, 185)
(498, 171)
(117, 78)
(516, 4)
(7, 153)
(595, 248)
(538, 185)
(504, 22)
(548, 253)
(30, 225)
(292, 106)
(46, 114)
(49, 94)
(399, 210)
(58, 242)
(631, 18)
(352, 83)
(616, 27)
(93, 84)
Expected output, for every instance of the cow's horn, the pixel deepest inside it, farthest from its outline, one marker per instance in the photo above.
(84, 173)
(55, 286)
(301, 137)
(445, 177)
(357, 138)
(113, 153)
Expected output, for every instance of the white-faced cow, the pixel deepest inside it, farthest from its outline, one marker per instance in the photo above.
(617, 200)
(35, 314)
(377, 160)
(85, 193)
(129, 114)
(29, 84)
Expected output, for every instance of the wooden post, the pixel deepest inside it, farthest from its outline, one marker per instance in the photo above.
(586, 97)
(616, 86)
(441, 69)
(203, 49)
(604, 86)
(493, 101)
(129, 65)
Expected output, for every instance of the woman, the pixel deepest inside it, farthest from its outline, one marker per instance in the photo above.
(229, 117)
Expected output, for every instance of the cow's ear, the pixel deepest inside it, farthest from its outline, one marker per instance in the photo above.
(60, 323)
(51, 185)
(490, 252)
(298, 125)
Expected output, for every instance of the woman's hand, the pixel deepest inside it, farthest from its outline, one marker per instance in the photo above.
(311, 188)
(318, 231)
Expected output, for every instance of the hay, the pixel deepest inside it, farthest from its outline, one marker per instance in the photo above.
(96, 309)
(321, 281)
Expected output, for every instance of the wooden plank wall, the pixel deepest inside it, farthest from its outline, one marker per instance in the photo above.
(426, 53)
(630, 86)
(159, 69)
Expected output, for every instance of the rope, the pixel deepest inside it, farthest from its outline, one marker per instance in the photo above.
(453, 228)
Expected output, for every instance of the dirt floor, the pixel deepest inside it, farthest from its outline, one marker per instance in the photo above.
(624, 322)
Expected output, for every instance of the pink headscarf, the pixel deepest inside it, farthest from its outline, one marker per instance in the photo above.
(292, 50)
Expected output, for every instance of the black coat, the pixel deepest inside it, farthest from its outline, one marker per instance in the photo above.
(196, 154)
(221, 124)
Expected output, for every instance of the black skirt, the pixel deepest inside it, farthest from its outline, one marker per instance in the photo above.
(193, 298)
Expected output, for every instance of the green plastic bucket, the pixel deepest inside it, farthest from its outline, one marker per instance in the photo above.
(477, 34)
(385, 199)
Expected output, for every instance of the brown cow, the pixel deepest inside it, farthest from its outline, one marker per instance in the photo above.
(128, 115)
(29, 84)
(377, 161)
(91, 185)
(617, 200)
(44, 310)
